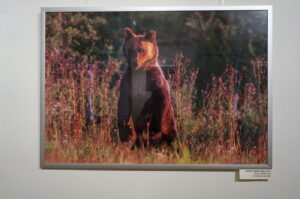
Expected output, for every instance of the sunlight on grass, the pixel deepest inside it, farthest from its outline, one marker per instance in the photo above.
(230, 126)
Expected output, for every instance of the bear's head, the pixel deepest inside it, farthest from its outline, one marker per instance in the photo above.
(139, 50)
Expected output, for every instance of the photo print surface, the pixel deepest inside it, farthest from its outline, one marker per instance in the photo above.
(156, 88)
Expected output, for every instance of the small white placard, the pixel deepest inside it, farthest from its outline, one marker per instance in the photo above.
(255, 174)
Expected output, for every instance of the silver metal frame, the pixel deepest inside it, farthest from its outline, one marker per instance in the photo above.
(155, 166)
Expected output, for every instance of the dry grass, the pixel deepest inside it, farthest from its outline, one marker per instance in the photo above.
(81, 108)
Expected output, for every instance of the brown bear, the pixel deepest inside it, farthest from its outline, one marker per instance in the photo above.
(145, 113)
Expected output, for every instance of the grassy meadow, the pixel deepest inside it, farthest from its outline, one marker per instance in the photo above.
(225, 123)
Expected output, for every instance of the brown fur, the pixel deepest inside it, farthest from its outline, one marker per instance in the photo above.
(155, 125)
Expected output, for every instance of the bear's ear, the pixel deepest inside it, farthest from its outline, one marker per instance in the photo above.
(128, 33)
(151, 36)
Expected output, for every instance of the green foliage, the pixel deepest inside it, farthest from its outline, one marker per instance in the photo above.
(224, 34)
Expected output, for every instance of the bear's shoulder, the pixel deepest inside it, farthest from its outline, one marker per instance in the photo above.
(155, 78)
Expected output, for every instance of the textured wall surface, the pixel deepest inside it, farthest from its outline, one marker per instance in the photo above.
(20, 175)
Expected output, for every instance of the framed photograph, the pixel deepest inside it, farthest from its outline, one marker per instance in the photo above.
(166, 88)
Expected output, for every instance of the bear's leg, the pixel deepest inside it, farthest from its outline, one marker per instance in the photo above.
(124, 131)
(124, 107)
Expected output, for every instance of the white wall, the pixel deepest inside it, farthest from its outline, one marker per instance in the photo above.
(20, 175)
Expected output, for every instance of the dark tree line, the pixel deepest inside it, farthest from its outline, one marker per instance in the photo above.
(211, 39)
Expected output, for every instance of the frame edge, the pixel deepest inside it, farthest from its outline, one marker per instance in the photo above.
(157, 167)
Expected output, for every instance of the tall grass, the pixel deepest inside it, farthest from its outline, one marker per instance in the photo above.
(81, 111)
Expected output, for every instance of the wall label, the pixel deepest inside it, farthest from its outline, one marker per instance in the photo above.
(255, 174)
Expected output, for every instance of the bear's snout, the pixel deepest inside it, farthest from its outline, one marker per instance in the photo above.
(135, 64)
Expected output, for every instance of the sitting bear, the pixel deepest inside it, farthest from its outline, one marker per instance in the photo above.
(145, 113)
